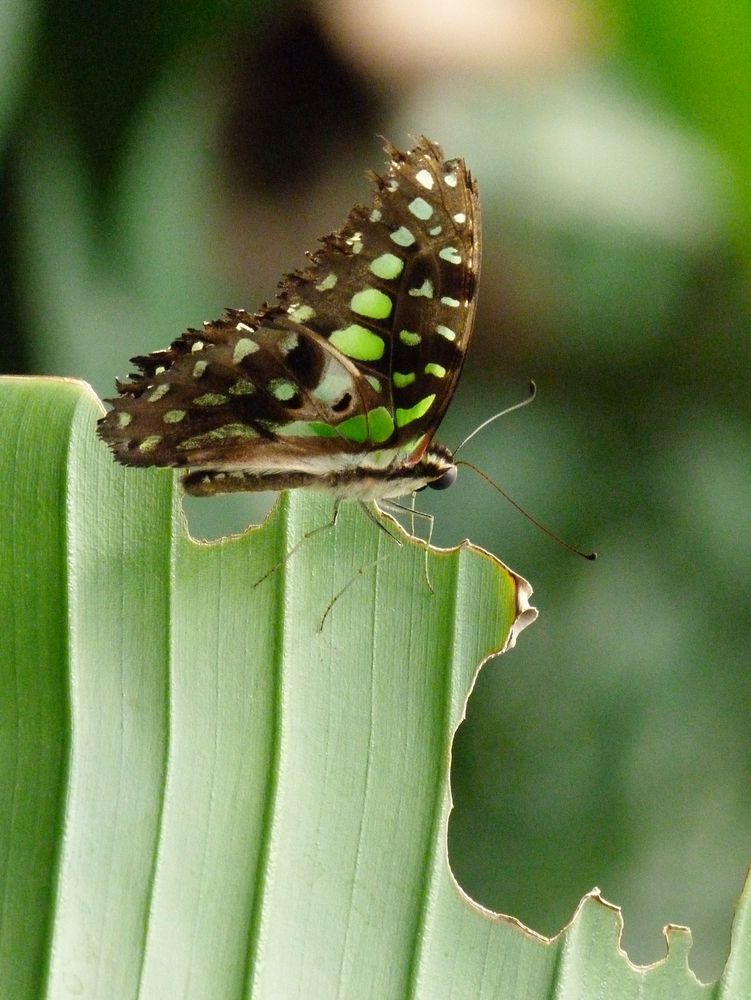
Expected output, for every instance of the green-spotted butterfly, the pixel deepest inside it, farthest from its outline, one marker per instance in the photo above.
(341, 383)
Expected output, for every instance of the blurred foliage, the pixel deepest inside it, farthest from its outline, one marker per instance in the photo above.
(696, 56)
(159, 164)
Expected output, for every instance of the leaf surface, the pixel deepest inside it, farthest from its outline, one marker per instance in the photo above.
(204, 793)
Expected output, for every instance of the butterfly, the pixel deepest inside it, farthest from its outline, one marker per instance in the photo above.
(341, 383)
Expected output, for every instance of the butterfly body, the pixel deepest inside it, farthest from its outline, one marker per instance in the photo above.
(341, 383)
(351, 481)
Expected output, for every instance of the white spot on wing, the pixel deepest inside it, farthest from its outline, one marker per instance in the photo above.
(289, 341)
(150, 442)
(355, 241)
(420, 208)
(161, 390)
(301, 313)
(402, 237)
(335, 381)
(450, 254)
(425, 178)
(243, 348)
(328, 283)
(445, 331)
(426, 289)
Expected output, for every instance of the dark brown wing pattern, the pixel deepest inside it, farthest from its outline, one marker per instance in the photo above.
(360, 353)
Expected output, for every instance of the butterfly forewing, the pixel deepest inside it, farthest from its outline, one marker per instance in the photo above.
(396, 287)
(353, 365)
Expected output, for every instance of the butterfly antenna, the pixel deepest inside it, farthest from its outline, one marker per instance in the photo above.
(556, 538)
(496, 416)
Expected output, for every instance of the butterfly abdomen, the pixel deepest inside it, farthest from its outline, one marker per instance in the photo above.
(352, 481)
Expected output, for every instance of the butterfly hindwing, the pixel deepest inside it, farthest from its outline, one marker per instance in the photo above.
(354, 363)
(234, 394)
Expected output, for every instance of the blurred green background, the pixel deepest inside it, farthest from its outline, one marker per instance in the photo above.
(161, 162)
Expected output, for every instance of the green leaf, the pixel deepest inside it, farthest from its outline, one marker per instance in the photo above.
(203, 792)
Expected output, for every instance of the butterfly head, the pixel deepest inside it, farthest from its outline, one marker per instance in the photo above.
(437, 466)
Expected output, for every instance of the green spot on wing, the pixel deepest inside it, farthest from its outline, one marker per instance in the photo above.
(433, 369)
(210, 399)
(358, 342)
(282, 389)
(304, 428)
(372, 303)
(409, 338)
(406, 416)
(217, 435)
(320, 429)
(376, 426)
(380, 424)
(387, 266)
(403, 379)
(241, 388)
(354, 429)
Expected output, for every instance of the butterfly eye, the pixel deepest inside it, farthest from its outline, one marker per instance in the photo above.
(448, 478)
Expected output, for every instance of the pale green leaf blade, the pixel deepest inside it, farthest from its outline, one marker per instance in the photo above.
(205, 793)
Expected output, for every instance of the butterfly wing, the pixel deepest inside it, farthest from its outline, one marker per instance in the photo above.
(406, 272)
(354, 364)
(237, 394)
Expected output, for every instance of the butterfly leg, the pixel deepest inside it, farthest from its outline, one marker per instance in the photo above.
(361, 572)
(297, 545)
(413, 513)
(371, 565)
(372, 516)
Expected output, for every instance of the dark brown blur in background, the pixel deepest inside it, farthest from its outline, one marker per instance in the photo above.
(162, 161)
